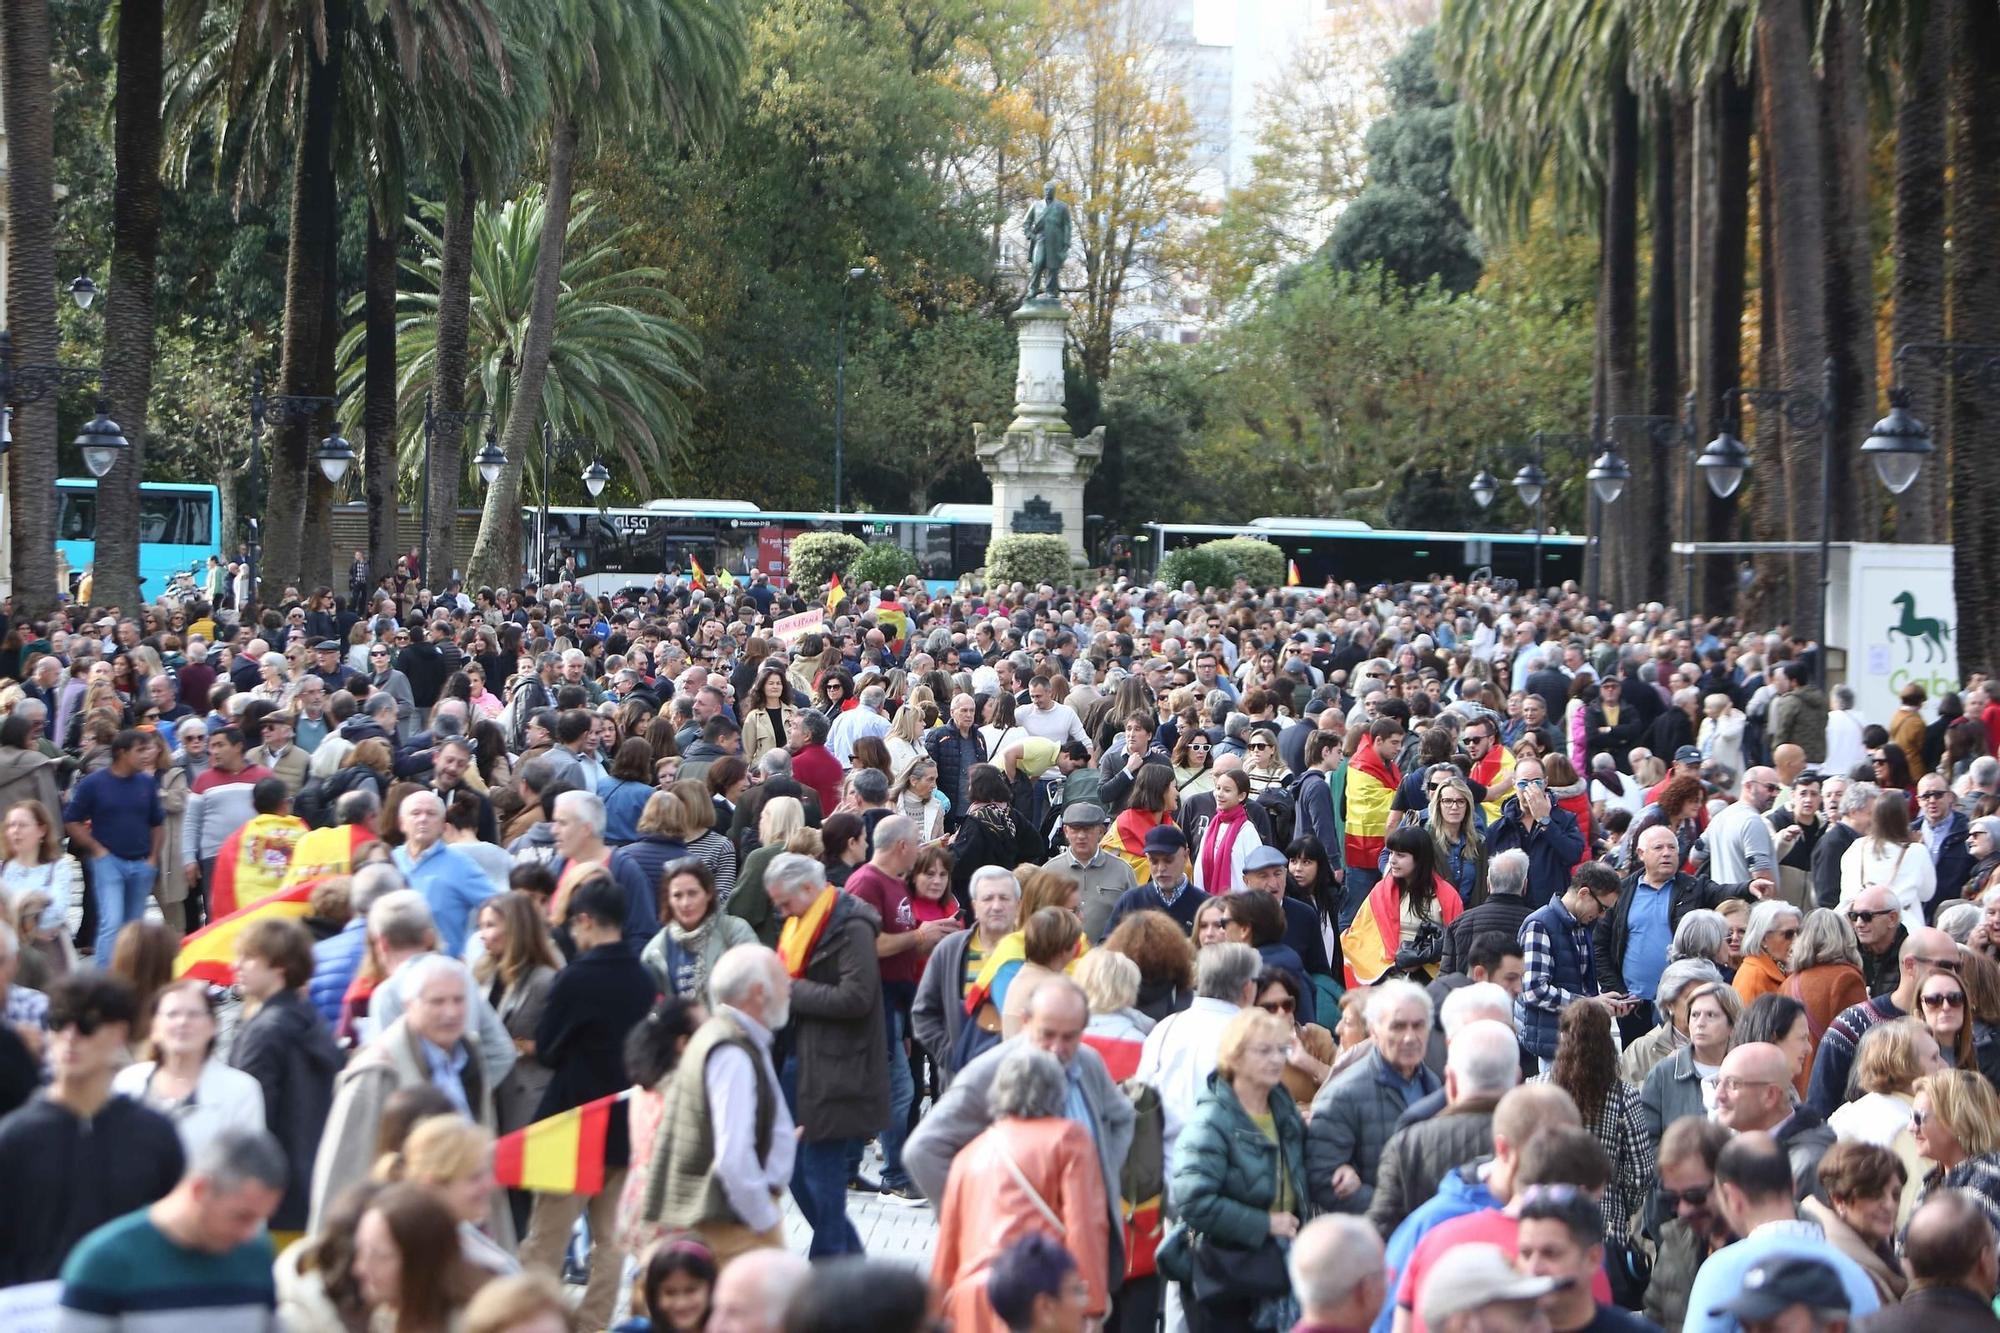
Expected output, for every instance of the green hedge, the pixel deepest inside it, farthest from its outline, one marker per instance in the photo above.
(818, 556)
(883, 564)
(1217, 564)
(1029, 560)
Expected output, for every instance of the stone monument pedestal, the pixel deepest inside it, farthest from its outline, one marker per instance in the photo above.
(1038, 467)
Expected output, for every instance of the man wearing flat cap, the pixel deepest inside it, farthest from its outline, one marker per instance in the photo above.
(1105, 878)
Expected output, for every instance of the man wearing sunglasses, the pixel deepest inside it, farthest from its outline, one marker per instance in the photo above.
(78, 1156)
(1944, 831)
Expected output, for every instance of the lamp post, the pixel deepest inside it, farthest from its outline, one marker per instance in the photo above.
(436, 419)
(1531, 483)
(1724, 467)
(854, 275)
(595, 478)
(334, 455)
(1899, 443)
(1803, 409)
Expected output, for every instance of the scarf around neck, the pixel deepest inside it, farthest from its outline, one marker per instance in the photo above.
(1218, 848)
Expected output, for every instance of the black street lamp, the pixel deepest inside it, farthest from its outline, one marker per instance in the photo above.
(1531, 484)
(1484, 487)
(595, 478)
(1724, 470)
(101, 441)
(334, 455)
(854, 275)
(1900, 443)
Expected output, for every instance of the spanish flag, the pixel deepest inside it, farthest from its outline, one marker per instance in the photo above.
(1291, 573)
(997, 970)
(1368, 946)
(563, 1154)
(835, 594)
(1371, 786)
(210, 953)
(1496, 763)
(697, 577)
(253, 862)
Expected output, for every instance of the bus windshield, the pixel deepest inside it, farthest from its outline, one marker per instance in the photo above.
(178, 529)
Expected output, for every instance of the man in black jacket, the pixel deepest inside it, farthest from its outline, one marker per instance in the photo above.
(1611, 725)
(593, 1004)
(1856, 814)
(1633, 937)
(1505, 908)
(775, 766)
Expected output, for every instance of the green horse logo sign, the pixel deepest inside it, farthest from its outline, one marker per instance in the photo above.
(1914, 629)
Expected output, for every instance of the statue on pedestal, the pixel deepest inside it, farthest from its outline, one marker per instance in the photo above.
(1047, 229)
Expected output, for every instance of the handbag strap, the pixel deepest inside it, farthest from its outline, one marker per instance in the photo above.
(1034, 1195)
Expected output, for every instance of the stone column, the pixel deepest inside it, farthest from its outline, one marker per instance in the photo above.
(1038, 467)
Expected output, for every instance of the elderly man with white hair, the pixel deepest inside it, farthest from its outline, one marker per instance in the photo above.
(1356, 1112)
(427, 1047)
(400, 926)
(727, 1147)
(1337, 1274)
(450, 881)
(1481, 1066)
(864, 719)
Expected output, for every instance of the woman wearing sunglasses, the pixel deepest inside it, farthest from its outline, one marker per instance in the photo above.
(1767, 949)
(1941, 1006)
(1313, 1051)
(1956, 1123)
(1192, 760)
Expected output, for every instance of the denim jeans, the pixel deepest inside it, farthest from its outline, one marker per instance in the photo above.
(902, 1091)
(1360, 883)
(820, 1173)
(120, 887)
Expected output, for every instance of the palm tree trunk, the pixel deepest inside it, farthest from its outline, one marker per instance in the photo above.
(1797, 231)
(1644, 542)
(1618, 259)
(1728, 241)
(128, 306)
(496, 558)
(1850, 283)
(378, 413)
(313, 217)
(31, 295)
(1918, 286)
(1972, 314)
(316, 540)
(454, 325)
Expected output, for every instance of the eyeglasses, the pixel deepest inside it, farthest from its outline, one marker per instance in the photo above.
(1932, 795)
(86, 1025)
(1279, 1006)
(1693, 1198)
(1733, 1085)
(1918, 1119)
(1790, 934)
(1944, 1000)
(1861, 916)
(1941, 964)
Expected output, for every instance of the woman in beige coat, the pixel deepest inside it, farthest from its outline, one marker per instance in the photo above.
(170, 886)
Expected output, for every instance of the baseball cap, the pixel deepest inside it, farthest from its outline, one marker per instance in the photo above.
(1776, 1285)
(1687, 754)
(1165, 840)
(1264, 858)
(1083, 814)
(1479, 1275)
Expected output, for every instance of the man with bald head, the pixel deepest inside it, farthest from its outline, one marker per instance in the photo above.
(1056, 1017)
(1954, 1267)
(1739, 840)
(1925, 951)
(1754, 1092)
(1633, 938)
(1877, 919)
(751, 1292)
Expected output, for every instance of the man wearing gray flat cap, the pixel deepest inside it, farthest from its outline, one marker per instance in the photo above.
(1104, 877)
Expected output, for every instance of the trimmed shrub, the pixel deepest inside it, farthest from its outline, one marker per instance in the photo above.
(1029, 559)
(1217, 564)
(883, 564)
(818, 556)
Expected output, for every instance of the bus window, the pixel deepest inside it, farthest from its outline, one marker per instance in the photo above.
(76, 516)
(175, 520)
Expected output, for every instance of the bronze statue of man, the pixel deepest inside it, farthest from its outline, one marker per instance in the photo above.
(1047, 229)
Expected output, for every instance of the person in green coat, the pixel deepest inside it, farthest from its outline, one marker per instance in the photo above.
(1239, 1168)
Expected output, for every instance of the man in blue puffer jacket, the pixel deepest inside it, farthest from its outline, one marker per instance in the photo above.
(337, 958)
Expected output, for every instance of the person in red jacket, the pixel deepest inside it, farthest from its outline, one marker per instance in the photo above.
(812, 763)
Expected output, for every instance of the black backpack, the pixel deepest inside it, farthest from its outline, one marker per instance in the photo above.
(1280, 803)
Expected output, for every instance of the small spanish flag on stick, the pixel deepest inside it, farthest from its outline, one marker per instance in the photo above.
(835, 594)
(697, 578)
(210, 953)
(1291, 573)
(563, 1154)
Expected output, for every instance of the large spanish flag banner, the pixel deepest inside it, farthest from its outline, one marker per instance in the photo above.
(210, 953)
(1368, 946)
(563, 1154)
(1496, 763)
(1371, 787)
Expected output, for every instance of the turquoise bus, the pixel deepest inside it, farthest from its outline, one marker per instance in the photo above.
(180, 527)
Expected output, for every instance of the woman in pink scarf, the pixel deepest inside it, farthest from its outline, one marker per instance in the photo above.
(1229, 838)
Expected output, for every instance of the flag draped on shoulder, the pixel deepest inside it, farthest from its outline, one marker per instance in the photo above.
(253, 861)
(563, 1154)
(210, 953)
(1371, 787)
(1368, 946)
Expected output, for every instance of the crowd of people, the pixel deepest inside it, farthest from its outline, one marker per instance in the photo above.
(1421, 957)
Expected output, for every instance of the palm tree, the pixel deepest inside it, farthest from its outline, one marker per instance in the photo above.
(128, 306)
(1972, 314)
(1918, 246)
(31, 294)
(619, 364)
(674, 63)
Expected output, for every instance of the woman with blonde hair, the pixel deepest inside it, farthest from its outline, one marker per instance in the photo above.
(1454, 821)
(915, 793)
(1892, 1058)
(453, 1158)
(36, 865)
(1956, 1122)
(1050, 939)
(781, 817)
(1110, 983)
(905, 740)
(1825, 972)
(698, 809)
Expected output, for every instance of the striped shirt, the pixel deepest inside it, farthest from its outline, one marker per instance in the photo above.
(128, 1275)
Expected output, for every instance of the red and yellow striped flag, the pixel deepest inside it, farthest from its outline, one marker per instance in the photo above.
(1371, 787)
(835, 594)
(563, 1154)
(698, 577)
(210, 953)
(1291, 573)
